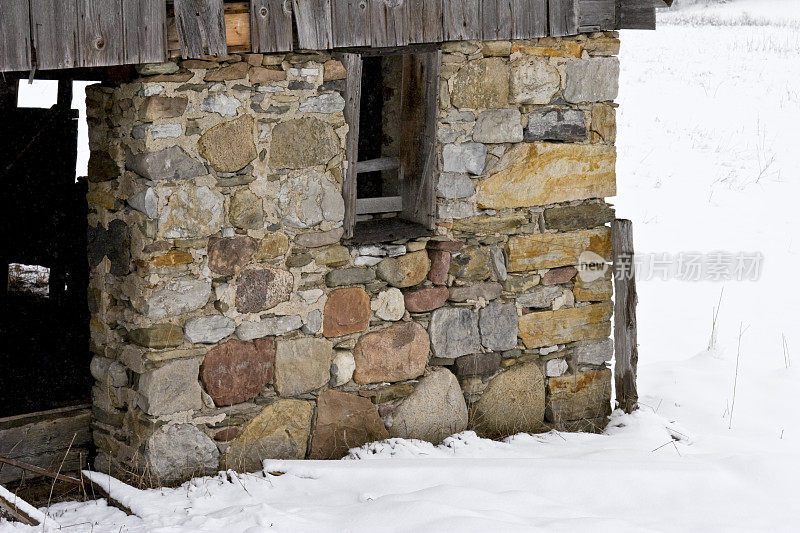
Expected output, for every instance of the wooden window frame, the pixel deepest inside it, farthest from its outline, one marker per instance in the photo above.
(417, 167)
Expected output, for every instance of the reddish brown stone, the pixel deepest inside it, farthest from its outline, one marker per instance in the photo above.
(236, 371)
(226, 256)
(346, 311)
(344, 421)
(262, 289)
(440, 264)
(445, 246)
(427, 299)
(227, 434)
(560, 275)
(396, 353)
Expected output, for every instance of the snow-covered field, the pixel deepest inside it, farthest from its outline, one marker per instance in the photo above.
(709, 161)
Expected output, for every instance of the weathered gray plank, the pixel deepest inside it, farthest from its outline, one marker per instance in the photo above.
(351, 23)
(314, 28)
(201, 27)
(15, 42)
(461, 20)
(563, 17)
(389, 22)
(626, 351)
(496, 19)
(145, 31)
(596, 15)
(529, 19)
(18, 509)
(636, 15)
(100, 36)
(270, 25)
(352, 114)
(380, 163)
(55, 33)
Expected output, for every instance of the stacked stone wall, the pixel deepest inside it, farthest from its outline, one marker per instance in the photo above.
(230, 321)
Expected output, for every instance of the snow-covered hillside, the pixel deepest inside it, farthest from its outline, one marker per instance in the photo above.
(709, 161)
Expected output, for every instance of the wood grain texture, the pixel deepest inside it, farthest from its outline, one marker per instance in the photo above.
(144, 26)
(314, 28)
(201, 27)
(100, 37)
(563, 17)
(497, 19)
(389, 22)
(54, 26)
(626, 351)
(636, 15)
(15, 42)
(270, 26)
(351, 23)
(529, 19)
(352, 115)
(461, 20)
(596, 15)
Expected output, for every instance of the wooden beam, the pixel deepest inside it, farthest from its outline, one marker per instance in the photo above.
(626, 351)
(270, 26)
(636, 15)
(381, 163)
(201, 27)
(563, 17)
(382, 204)
(314, 28)
(15, 37)
(352, 115)
(596, 15)
(17, 509)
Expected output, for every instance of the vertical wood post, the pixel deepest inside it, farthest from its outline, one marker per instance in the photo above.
(626, 351)
(352, 115)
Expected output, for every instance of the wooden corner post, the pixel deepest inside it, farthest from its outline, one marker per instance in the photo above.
(626, 351)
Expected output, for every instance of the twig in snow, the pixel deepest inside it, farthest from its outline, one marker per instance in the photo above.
(786, 360)
(53, 485)
(736, 375)
(712, 342)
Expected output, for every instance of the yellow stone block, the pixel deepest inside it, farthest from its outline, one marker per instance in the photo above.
(551, 250)
(172, 258)
(562, 49)
(547, 173)
(548, 328)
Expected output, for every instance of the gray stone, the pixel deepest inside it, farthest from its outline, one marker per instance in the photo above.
(263, 288)
(592, 80)
(302, 365)
(191, 212)
(488, 290)
(593, 352)
(454, 116)
(513, 402)
(171, 388)
(575, 217)
(349, 276)
(455, 210)
(382, 250)
(435, 410)
(499, 326)
(454, 185)
(342, 368)
(151, 69)
(448, 135)
(320, 238)
(366, 260)
(221, 103)
(145, 201)
(268, 327)
(498, 126)
(555, 367)
(540, 297)
(534, 80)
(497, 262)
(168, 164)
(139, 131)
(302, 143)
(454, 332)
(465, 157)
(108, 371)
(176, 452)
(178, 297)
(324, 103)
(245, 210)
(308, 199)
(208, 329)
(313, 324)
(165, 131)
(556, 124)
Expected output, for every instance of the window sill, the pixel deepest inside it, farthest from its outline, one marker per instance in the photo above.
(387, 230)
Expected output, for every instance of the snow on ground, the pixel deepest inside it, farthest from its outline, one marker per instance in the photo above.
(708, 161)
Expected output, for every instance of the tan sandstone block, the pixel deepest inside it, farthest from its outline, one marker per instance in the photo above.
(548, 328)
(547, 173)
(551, 250)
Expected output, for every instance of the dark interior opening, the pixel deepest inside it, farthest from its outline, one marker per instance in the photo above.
(370, 139)
(44, 362)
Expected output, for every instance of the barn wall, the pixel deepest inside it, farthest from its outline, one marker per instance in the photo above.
(230, 322)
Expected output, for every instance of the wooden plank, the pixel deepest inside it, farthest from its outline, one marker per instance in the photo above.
(352, 115)
(626, 351)
(389, 22)
(201, 27)
(270, 26)
(54, 25)
(529, 19)
(383, 204)
(350, 23)
(496, 19)
(381, 163)
(237, 31)
(144, 27)
(461, 20)
(387, 230)
(563, 17)
(314, 28)
(636, 15)
(41, 471)
(15, 41)
(100, 36)
(17, 509)
(596, 15)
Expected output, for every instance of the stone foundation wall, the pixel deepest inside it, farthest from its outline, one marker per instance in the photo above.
(230, 322)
